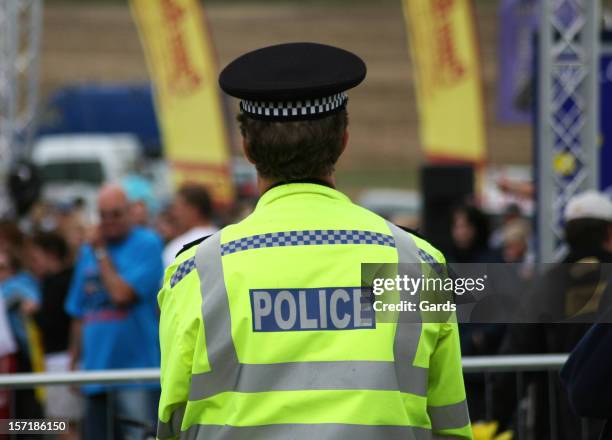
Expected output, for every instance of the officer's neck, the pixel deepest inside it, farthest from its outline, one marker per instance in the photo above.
(265, 184)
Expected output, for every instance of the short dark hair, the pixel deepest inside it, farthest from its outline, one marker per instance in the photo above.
(10, 234)
(479, 221)
(12, 258)
(53, 244)
(586, 234)
(294, 150)
(197, 195)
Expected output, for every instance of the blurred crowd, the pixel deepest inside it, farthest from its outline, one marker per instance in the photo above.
(563, 300)
(81, 294)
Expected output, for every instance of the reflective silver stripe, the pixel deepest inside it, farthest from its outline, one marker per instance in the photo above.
(306, 432)
(172, 428)
(215, 309)
(228, 374)
(449, 416)
(411, 378)
(294, 376)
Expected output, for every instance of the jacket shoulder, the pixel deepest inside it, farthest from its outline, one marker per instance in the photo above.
(424, 245)
(411, 231)
(191, 244)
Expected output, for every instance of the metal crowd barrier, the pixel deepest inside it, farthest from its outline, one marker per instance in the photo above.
(31, 380)
(488, 367)
(514, 363)
(473, 364)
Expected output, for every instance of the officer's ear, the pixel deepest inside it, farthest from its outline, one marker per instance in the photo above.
(345, 139)
(245, 150)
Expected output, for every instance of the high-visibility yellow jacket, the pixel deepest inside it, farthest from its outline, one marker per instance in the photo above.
(261, 338)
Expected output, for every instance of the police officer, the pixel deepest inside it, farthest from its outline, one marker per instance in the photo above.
(262, 336)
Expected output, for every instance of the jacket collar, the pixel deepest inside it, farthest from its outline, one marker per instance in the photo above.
(306, 186)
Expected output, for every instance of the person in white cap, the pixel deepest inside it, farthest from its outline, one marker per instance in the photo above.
(588, 227)
(574, 293)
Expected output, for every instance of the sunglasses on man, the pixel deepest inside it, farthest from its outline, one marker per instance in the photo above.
(112, 214)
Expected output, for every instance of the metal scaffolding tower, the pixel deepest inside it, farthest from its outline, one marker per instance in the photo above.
(20, 30)
(568, 113)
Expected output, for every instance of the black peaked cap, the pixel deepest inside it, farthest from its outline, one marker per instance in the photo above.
(292, 72)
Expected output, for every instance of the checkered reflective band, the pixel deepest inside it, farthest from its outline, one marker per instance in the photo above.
(182, 271)
(306, 238)
(294, 109)
(427, 258)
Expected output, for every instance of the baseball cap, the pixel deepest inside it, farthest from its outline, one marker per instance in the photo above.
(589, 204)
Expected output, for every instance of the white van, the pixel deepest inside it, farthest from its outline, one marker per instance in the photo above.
(75, 166)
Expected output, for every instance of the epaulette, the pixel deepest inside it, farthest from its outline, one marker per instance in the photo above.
(412, 231)
(191, 244)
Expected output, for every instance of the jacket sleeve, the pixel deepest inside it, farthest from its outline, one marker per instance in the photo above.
(586, 375)
(446, 403)
(180, 323)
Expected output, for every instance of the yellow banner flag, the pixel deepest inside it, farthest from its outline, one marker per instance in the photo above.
(181, 63)
(445, 54)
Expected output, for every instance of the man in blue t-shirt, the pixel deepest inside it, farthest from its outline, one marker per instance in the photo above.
(112, 299)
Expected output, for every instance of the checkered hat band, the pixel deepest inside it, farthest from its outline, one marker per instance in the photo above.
(294, 109)
(307, 238)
